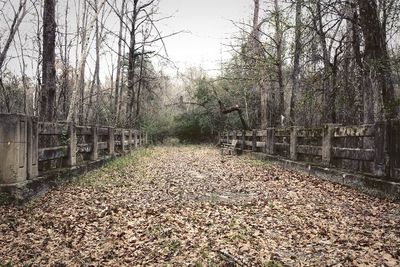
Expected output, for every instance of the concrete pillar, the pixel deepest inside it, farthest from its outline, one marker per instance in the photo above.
(32, 147)
(270, 141)
(72, 143)
(13, 147)
(130, 140)
(123, 141)
(94, 154)
(327, 142)
(135, 137)
(254, 140)
(380, 146)
(293, 142)
(111, 141)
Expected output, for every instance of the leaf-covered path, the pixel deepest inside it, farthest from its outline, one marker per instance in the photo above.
(188, 205)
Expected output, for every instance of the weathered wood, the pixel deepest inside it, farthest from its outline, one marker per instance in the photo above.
(282, 132)
(314, 132)
(242, 144)
(102, 131)
(94, 154)
(393, 144)
(130, 140)
(282, 145)
(358, 130)
(102, 145)
(260, 144)
(83, 130)
(249, 133)
(261, 133)
(32, 147)
(254, 141)
(270, 141)
(70, 161)
(111, 141)
(353, 153)
(327, 142)
(293, 142)
(52, 153)
(380, 147)
(135, 137)
(49, 128)
(309, 150)
(123, 141)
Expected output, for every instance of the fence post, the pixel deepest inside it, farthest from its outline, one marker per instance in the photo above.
(123, 141)
(94, 154)
(145, 138)
(135, 138)
(270, 141)
(380, 147)
(32, 143)
(327, 143)
(242, 145)
(72, 143)
(234, 135)
(111, 141)
(293, 142)
(254, 141)
(130, 140)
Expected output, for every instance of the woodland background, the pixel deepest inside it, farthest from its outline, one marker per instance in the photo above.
(294, 62)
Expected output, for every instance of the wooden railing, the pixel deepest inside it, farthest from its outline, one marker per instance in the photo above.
(30, 148)
(370, 148)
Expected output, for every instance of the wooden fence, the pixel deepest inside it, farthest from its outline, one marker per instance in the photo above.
(370, 149)
(29, 148)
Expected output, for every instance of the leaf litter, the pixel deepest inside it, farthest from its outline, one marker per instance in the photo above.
(186, 205)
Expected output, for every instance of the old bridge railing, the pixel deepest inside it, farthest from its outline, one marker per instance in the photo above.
(29, 148)
(369, 149)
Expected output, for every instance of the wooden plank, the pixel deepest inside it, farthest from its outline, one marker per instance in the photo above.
(249, 133)
(283, 145)
(248, 143)
(102, 131)
(260, 144)
(83, 130)
(356, 131)
(353, 153)
(310, 132)
(102, 145)
(48, 128)
(309, 150)
(261, 133)
(51, 153)
(282, 132)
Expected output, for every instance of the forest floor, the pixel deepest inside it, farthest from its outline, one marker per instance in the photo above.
(188, 205)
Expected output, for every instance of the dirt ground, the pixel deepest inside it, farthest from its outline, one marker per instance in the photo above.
(188, 205)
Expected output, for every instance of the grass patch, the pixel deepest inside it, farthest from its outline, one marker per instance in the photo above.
(117, 172)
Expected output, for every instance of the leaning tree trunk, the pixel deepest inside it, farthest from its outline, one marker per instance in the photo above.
(48, 94)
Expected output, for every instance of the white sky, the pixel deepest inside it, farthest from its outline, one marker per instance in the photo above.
(208, 23)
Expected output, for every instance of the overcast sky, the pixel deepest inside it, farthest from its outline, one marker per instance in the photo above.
(209, 25)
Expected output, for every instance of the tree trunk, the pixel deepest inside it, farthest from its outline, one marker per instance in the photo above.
(377, 69)
(47, 111)
(296, 64)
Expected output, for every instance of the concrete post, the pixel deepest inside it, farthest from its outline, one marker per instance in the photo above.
(130, 140)
(13, 147)
(32, 143)
(123, 141)
(135, 137)
(327, 142)
(72, 143)
(111, 141)
(380, 146)
(254, 140)
(293, 142)
(242, 145)
(270, 141)
(95, 144)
